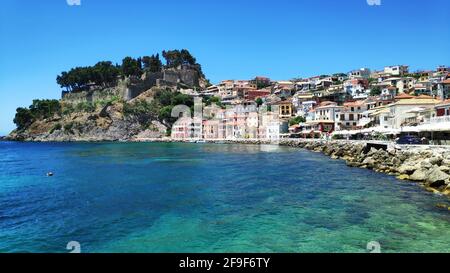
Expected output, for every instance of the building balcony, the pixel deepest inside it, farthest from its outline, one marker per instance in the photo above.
(437, 120)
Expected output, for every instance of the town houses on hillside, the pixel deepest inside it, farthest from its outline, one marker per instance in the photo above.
(360, 103)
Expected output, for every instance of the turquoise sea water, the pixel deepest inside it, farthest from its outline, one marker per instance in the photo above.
(143, 197)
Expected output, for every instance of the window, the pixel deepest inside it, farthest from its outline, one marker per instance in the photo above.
(350, 117)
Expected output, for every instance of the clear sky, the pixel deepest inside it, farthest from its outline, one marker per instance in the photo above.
(232, 39)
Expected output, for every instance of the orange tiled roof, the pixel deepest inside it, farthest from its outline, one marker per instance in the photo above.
(354, 103)
(403, 96)
(325, 103)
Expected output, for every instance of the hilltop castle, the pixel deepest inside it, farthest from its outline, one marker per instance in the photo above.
(184, 76)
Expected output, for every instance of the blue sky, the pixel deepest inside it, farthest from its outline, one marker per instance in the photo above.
(280, 39)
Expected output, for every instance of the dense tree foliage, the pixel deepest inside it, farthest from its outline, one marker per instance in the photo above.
(174, 58)
(214, 100)
(375, 91)
(80, 78)
(296, 120)
(45, 108)
(40, 109)
(152, 63)
(132, 67)
(23, 118)
(169, 98)
(259, 102)
(161, 107)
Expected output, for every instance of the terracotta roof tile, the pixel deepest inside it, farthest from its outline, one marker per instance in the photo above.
(404, 96)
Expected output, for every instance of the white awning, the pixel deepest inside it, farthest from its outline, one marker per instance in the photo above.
(363, 122)
(434, 127)
(410, 129)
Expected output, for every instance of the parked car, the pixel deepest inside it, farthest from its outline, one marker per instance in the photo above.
(408, 139)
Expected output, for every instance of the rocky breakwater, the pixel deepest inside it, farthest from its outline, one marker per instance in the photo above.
(429, 166)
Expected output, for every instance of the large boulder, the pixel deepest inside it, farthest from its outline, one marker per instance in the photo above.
(372, 151)
(391, 151)
(419, 175)
(445, 168)
(407, 168)
(436, 159)
(369, 161)
(436, 177)
(426, 164)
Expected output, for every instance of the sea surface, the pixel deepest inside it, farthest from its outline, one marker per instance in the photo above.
(147, 197)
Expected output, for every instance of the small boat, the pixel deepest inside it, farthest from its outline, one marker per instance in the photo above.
(201, 141)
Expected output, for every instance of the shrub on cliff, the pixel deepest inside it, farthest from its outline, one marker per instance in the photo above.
(165, 114)
(170, 98)
(86, 107)
(140, 107)
(160, 108)
(56, 127)
(68, 127)
(214, 100)
(40, 109)
(23, 118)
(45, 108)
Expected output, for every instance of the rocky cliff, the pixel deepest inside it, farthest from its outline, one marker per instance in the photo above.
(112, 120)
